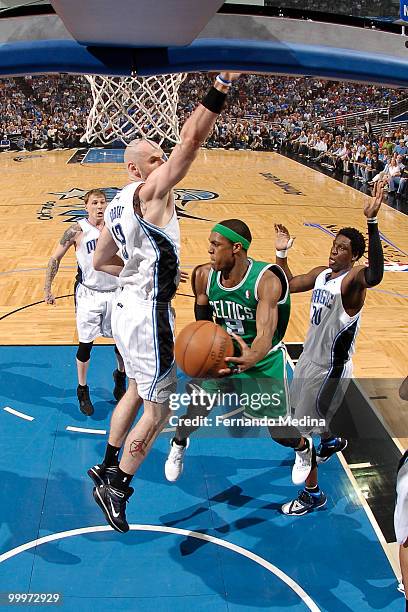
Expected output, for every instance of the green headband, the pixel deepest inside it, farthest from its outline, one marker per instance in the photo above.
(231, 235)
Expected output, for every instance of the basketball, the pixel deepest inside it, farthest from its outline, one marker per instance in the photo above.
(201, 348)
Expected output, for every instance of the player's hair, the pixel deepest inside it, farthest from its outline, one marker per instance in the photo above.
(239, 227)
(96, 192)
(357, 240)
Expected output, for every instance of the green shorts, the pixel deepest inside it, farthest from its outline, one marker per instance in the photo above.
(262, 391)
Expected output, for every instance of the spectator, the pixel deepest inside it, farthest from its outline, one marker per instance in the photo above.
(401, 148)
(396, 178)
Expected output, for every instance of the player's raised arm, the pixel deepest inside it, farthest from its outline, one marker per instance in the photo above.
(195, 131)
(369, 276)
(202, 306)
(67, 241)
(301, 282)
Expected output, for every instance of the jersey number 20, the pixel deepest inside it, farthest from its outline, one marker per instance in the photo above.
(316, 316)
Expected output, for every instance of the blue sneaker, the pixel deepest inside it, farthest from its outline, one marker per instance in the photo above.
(304, 503)
(325, 450)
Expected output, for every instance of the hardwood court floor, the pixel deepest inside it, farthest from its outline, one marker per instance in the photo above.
(40, 195)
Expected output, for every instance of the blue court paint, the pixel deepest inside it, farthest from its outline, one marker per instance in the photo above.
(104, 156)
(232, 489)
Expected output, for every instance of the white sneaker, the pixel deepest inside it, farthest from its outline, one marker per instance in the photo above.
(303, 463)
(173, 468)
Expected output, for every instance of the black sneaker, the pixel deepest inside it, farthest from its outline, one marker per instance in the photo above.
(325, 450)
(113, 504)
(120, 384)
(101, 474)
(304, 503)
(85, 404)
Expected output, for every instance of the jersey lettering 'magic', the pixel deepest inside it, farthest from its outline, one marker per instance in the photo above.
(224, 309)
(91, 245)
(322, 296)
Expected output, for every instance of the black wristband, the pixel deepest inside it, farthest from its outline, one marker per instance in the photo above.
(214, 100)
(203, 312)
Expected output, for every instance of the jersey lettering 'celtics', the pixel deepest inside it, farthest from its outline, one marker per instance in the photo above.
(235, 307)
(230, 311)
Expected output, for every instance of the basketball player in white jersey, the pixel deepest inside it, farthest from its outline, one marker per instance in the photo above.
(141, 223)
(401, 507)
(324, 369)
(94, 293)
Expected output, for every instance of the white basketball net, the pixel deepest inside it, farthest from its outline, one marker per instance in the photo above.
(132, 107)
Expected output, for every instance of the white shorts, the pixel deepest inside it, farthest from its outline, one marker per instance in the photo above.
(144, 334)
(93, 313)
(316, 392)
(401, 508)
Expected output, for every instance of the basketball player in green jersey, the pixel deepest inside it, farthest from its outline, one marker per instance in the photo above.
(250, 299)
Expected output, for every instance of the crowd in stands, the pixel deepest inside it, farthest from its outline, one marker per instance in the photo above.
(359, 8)
(367, 157)
(262, 113)
(43, 112)
(272, 97)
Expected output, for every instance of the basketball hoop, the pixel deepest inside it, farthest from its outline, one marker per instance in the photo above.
(125, 108)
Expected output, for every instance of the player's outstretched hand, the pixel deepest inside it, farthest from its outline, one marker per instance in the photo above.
(242, 363)
(372, 205)
(283, 240)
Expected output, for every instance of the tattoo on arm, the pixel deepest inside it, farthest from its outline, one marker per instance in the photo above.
(52, 270)
(70, 234)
